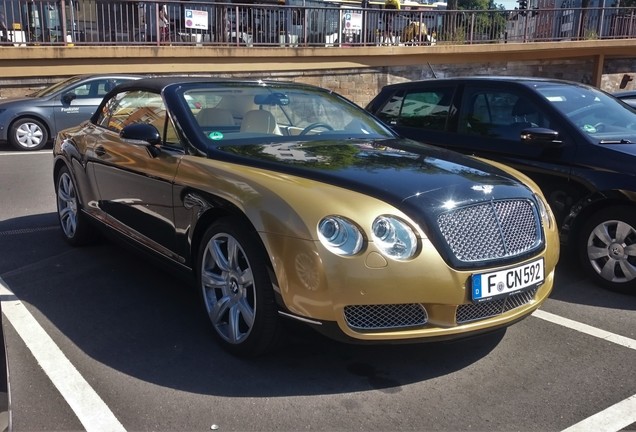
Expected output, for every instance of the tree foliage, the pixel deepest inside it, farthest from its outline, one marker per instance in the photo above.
(462, 26)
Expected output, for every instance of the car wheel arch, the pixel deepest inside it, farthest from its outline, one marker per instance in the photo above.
(210, 214)
(213, 214)
(605, 247)
(58, 165)
(581, 211)
(35, 116)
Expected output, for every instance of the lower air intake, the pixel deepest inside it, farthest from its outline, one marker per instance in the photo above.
(385, 317)
(473, 312)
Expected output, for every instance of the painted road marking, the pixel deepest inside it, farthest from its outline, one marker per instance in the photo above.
(617, 416)
(24, 153)
(614, 418)
(89, 408)
(95, 415)
(584, 328)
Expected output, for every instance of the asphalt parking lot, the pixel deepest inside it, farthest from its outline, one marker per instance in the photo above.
(100, 338)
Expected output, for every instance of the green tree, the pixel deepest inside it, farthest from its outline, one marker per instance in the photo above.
(488, 25)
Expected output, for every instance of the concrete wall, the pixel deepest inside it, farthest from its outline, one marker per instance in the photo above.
(360, 84)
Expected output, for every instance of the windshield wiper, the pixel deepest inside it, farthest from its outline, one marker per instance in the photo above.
(620, 141)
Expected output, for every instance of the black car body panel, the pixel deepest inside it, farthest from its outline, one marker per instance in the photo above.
(576, 142)
(568, 172)
(627, 96)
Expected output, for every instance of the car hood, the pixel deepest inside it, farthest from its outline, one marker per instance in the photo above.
(627, 148)
(421, 180)
(15, 102)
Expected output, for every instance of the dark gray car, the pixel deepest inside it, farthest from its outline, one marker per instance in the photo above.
(627, 96)
(575, 141)
(28, 123)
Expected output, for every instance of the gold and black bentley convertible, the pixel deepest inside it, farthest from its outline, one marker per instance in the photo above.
(287, 201)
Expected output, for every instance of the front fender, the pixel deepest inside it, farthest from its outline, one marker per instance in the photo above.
(66, 153)
(590, 204)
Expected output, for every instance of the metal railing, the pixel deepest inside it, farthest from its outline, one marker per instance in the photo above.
(311, 23)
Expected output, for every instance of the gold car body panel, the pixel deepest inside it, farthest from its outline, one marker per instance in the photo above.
(317, 284)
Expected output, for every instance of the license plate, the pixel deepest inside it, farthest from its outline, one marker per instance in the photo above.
(487, 286)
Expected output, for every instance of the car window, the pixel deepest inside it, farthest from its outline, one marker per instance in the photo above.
(95, 89)
(498, 114)
(82, 91)
(138, 107)
(226, 113)
(595, 113)
(104, 86)
(424, 109)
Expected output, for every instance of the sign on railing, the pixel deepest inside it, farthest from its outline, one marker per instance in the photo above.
(297, 23)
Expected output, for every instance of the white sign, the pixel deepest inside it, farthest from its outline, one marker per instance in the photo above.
(353, 20)
(196, 19)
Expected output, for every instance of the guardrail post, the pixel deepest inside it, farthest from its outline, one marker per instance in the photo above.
(64, 28)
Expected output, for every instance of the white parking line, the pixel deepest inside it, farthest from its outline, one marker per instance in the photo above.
(617, 416)
(614, 418)
(23, 153)
(89, 408)
(584, 328)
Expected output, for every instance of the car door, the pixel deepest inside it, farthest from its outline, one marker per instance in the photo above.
(79, 102)
(134, 179)
(491, 119)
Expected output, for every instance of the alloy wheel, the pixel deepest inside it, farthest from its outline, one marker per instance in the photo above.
(67, 204)
(228, 288)
(611, 250)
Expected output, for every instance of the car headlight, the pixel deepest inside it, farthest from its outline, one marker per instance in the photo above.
(544, 211)
(394, 237)
(340, 235)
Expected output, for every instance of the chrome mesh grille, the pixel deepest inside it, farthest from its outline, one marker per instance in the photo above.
(476, 311)
(491, 230)
(377, 317)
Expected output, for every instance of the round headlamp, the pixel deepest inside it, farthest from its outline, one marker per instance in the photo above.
(340, 235)
(394, 237)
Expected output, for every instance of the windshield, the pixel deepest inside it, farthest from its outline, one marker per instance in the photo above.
(235, 113)
(600, 116)
(56, 87)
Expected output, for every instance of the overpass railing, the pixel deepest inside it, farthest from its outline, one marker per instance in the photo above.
(310, 23)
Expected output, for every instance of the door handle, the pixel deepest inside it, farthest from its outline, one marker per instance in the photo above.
(100, 151)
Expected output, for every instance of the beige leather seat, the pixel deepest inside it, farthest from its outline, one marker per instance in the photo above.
(215, 117)
(260, 121)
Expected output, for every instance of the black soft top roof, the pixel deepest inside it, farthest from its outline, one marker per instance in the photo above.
(157, 84)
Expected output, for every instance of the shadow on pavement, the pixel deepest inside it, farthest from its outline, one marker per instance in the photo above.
(129, 314)
(572, 286)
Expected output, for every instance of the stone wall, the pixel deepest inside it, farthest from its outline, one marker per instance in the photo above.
(360, 85)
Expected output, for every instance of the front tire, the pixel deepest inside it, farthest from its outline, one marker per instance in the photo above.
(75, 227)
(28, 134)
(607, 248)
(236, 290)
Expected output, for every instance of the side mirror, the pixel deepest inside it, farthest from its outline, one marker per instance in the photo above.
(69, 97)
(141, 134)
(541, 136)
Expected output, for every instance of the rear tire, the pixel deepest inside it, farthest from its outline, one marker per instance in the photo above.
(76, 228)
(28, 134)
(607, 248)
(236, 290)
